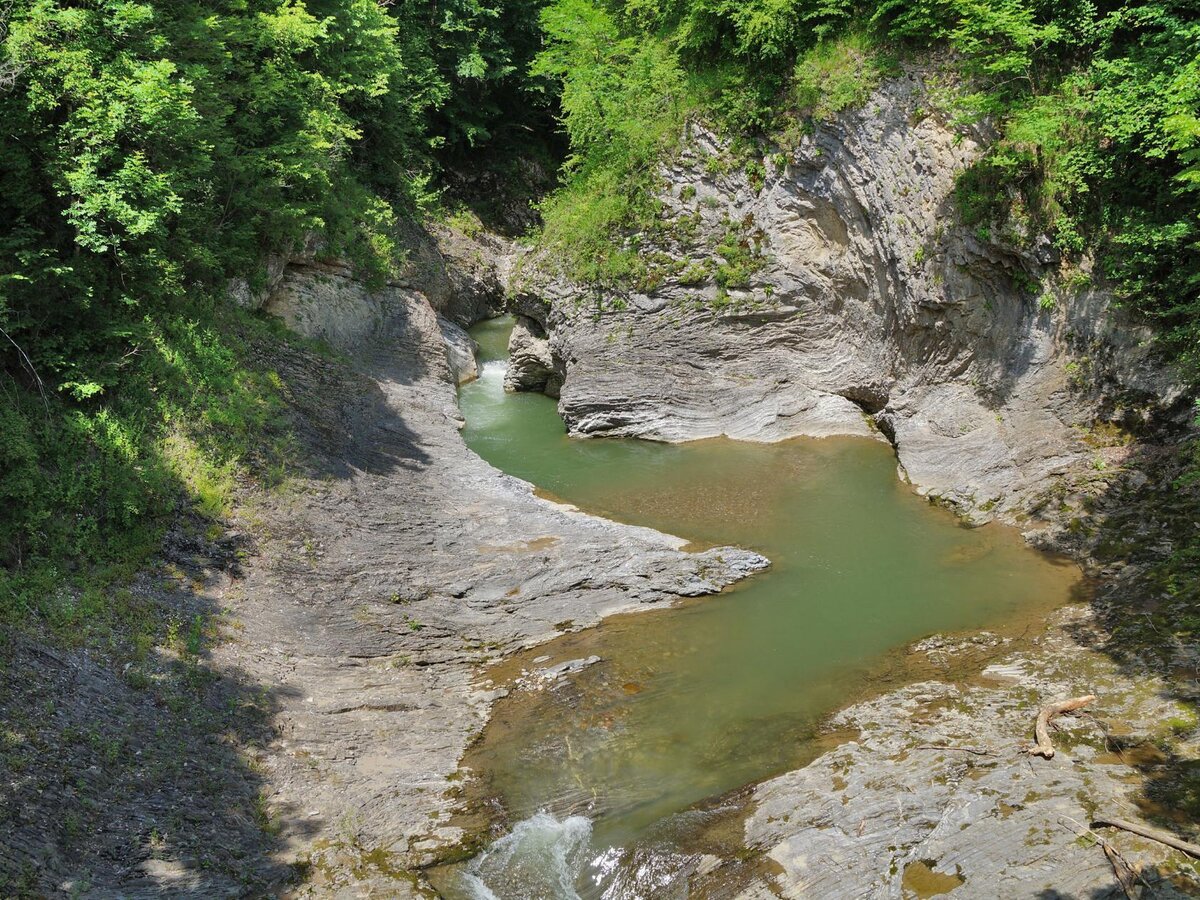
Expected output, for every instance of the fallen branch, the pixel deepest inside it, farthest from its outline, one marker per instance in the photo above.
(960, 749)
(1127, 876)
(1121, 868)
(1041, 729)
(1154, 834)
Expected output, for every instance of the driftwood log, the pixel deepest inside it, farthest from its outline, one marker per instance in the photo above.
(1154, 834)
(1041, 728)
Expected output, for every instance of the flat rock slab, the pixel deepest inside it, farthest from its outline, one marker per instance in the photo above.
(396, 569)
(936, 794)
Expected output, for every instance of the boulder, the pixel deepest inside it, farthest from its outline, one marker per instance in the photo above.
(530, 363)
(460, 351)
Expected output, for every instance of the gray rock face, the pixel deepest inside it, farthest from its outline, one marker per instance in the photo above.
(460, 351)
(530, 364)
(462, 277)
(936, 781)
(396, 569)
(864, 295)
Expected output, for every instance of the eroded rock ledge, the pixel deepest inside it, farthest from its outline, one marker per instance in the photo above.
(530, 363)
(934, 790)
(401, 564)
(868, 309)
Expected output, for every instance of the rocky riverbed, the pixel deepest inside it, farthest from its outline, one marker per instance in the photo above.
(404, 565)
(353, 610)
(429, 563)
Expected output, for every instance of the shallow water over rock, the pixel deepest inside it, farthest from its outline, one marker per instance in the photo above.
(694, 702)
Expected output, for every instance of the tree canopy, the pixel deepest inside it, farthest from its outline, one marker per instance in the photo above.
(150, 150)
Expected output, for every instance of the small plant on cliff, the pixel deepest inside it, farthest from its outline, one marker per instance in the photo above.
(740, 254)
(838, 74)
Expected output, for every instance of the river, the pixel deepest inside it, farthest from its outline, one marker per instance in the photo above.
(690, 703)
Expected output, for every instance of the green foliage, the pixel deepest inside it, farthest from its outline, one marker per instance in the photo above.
(740, 254)
(94, 483)
(624, 101)
(761, 31)
(482, 52)
(1100, 140)
(837, 75)
(151, 150)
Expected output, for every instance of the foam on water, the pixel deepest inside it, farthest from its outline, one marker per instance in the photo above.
(493, 370)
(540, 860)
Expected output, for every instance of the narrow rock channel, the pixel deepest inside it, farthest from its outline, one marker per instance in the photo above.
(695, 703)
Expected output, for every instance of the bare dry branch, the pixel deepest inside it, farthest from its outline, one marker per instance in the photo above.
(959, 749)
(1154, 834)
(1127, 876)
(9, 70)
(1041, 729)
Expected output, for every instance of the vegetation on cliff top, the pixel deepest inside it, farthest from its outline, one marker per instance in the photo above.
(152, 150)
(1097, 104)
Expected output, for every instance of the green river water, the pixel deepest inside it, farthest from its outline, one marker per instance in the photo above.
(694, 702)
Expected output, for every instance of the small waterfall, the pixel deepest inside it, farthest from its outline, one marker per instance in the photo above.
(540, 860)
(493, 370)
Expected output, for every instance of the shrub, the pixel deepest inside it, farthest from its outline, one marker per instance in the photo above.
(837, 74)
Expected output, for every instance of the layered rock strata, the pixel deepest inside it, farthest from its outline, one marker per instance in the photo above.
(530, 363)
(934, 792)
(397, 568)
(839, 293)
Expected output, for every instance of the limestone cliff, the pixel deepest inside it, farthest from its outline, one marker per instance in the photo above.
(858, 304)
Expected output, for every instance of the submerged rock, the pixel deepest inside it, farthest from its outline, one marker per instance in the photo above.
(542, 678)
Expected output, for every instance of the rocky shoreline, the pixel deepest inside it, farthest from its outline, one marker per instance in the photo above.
(363, 599)
(388, 583)
(837, 293)
(1011, 388)
(925, 813)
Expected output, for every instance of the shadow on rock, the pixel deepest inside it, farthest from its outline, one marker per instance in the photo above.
(343, 419)
(127, 764)
(1145, 536)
